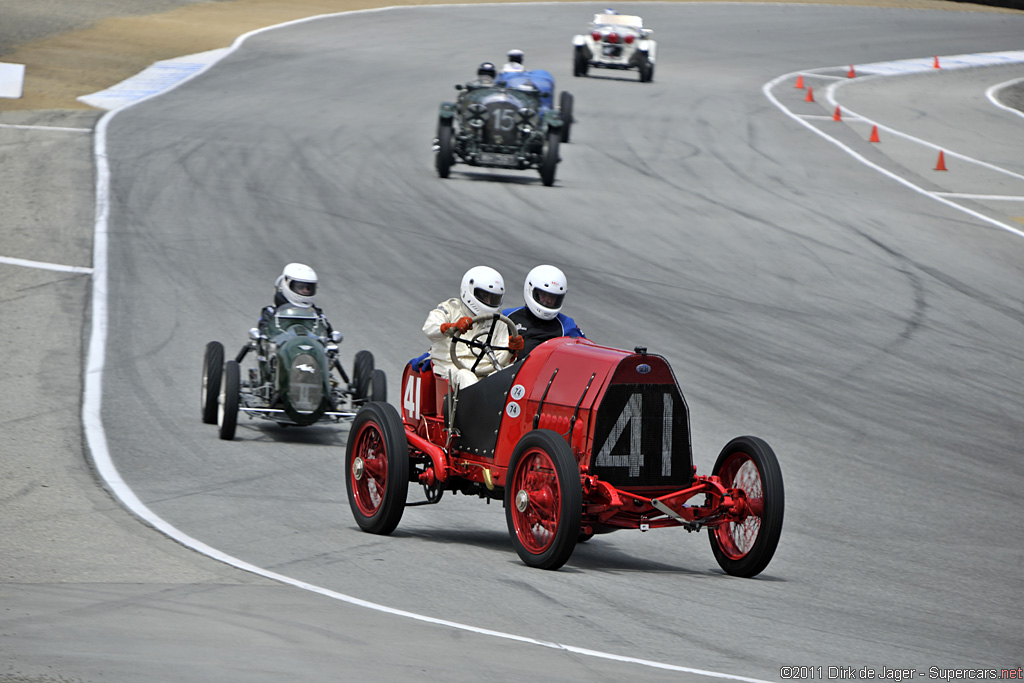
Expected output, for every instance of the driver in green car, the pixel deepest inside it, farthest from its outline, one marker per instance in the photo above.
(295, 286)
(485, 75)
(481, 293)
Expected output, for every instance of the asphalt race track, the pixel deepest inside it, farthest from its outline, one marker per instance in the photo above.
(868, 332)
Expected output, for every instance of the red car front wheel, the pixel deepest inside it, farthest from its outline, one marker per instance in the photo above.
(745, 547)
(543, 499)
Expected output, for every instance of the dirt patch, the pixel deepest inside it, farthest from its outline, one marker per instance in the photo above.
(108, 49)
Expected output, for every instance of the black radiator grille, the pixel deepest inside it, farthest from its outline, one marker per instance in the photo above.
(641, 438)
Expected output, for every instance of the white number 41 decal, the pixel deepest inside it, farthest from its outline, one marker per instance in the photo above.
(411, 399)
(631, 418)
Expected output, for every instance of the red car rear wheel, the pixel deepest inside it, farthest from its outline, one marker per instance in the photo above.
(746, 547)
(377, 464)
(543, 500)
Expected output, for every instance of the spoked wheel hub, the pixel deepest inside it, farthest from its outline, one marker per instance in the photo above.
(736, 539)
(369, 469)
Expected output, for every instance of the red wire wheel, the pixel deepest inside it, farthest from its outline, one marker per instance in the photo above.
(377, 468)
(543, 499)
(745, 547)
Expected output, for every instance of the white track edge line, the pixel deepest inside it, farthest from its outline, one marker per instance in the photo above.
(60, 129)
(96, 435)
(42, 265)
(983, 197)
(991, 95)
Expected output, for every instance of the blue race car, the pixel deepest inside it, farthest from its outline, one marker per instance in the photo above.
(544, 82)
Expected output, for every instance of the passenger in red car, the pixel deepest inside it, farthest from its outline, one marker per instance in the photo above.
(541, 318)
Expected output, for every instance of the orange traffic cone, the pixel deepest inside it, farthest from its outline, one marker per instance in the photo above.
(810, 94)
(799, 82)
(850, 73)
(935, 64)
(874, 134)
(837, 116)
(941, 165)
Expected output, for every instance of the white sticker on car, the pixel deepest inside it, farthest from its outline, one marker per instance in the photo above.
(517, 392)
(512, 409)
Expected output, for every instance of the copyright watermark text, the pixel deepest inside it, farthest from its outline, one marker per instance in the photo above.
(884, 673)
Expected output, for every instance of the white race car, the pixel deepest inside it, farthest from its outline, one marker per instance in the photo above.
(615, 41)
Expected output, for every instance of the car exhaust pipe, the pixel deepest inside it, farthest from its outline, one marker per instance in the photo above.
(435, 453)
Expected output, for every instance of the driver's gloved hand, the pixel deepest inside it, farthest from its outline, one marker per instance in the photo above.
(516, 343)
(462, 325)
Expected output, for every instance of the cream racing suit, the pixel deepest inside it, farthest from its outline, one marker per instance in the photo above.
(440, 344)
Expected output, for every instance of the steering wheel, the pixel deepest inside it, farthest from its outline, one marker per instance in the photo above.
(482, 344)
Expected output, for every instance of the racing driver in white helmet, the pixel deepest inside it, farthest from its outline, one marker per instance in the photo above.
(481, 293)
(514, 64)
(295, 286)
(541, 318)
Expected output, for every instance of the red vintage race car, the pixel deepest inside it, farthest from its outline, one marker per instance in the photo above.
(576, 439)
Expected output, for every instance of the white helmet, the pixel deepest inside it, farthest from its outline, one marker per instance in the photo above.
(515, 56)
(544, 291)
(298, 284)
(482, 290)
